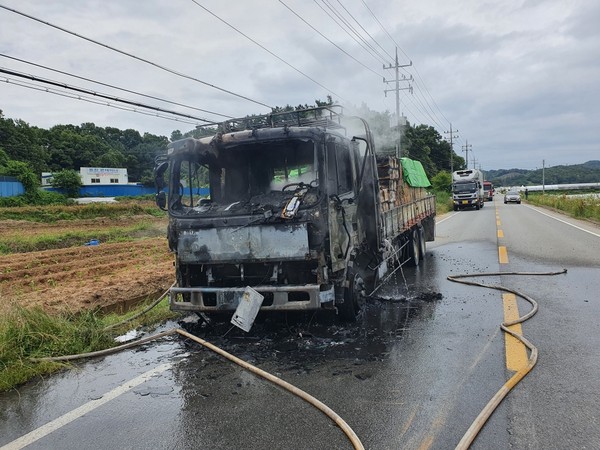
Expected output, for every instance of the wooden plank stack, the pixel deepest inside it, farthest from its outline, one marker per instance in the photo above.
(393, 191)
(391, 186)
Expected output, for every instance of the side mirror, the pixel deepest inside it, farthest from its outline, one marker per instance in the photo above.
(159, 171)
(161, 200)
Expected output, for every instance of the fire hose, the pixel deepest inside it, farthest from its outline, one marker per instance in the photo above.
(469, 435)
(353, 438)
(491, 406)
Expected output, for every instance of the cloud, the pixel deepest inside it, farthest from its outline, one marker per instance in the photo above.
(518, 79)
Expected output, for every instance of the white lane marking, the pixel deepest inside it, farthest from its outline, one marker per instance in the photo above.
(446, 218)
(69, 417)
(563, 221)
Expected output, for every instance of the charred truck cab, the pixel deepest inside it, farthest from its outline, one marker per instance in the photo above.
(294, 212)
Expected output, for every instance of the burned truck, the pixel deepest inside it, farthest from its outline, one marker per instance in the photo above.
(293, 206)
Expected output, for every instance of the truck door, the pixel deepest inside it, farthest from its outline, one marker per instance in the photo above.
(342, 203)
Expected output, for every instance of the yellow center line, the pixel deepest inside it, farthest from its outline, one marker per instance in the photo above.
(502, 254)
(500, 233)
(516, 353)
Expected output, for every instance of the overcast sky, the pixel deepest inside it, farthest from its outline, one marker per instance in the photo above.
(520, 80)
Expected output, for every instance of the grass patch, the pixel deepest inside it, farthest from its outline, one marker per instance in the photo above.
(159, 314)
(578, 207)
(39, 197)
(52, 213)
(32, 333)
(49, 241)
(443, 202)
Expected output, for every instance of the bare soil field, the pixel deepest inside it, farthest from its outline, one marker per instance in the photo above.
(106, 276)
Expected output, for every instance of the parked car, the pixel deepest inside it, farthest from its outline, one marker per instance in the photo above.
(512, 197)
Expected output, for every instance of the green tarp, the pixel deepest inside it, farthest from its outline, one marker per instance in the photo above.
(413, 173)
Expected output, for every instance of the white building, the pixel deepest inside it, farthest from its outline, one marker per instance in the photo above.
(92, 176)
(102, 175)
(46, 179)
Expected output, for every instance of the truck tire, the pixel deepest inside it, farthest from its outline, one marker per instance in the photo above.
(413, 249)
(354, 298)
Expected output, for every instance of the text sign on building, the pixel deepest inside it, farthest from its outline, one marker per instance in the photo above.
(103, 175)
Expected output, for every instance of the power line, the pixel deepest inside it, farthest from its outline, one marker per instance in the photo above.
(397, 89)
(89, 100)
(114, 87)
(99, 95)
(267, 50)
(405, 54)
(466, 149)
(328, 40)
(347, 28)
(363, 28)
(174, 72)
(451, 138)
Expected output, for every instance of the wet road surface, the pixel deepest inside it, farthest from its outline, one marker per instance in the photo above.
(416, 370)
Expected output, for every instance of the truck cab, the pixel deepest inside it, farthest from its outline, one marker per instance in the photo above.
(467, 189)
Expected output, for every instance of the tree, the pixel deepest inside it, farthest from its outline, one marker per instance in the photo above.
(22, 172)
(3, 156)
(112, 158)
(176, 135)
(442, 181)
(426, 145)
(68, 181)
(22, 143)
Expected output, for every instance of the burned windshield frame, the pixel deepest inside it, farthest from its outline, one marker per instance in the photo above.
(240, 173)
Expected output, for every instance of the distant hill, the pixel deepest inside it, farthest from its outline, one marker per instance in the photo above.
(588, 172)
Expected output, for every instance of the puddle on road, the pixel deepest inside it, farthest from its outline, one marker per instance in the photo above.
(301, 341)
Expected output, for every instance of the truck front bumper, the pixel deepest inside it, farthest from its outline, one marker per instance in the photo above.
(465, 202)
(276, 298)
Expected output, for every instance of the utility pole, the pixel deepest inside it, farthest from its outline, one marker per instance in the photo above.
(397, 89)
(451, 139)
(466, 149)
(543, 176)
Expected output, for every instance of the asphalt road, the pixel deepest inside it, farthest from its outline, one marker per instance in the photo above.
(413, 374)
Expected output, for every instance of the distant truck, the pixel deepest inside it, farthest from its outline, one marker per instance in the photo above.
(488, 191)
(307, 216)
(467, 189)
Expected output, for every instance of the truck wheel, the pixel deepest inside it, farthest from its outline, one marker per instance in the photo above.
(354, 297)
(422, 243)
(413, 249)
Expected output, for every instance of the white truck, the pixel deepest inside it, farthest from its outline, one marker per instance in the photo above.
(467, 189)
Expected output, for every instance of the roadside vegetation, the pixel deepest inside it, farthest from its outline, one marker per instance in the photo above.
(584, 207)
(54, 212)
(36, 332)
(26, 334)
(441, 184)
(73, 224)
(21, 243)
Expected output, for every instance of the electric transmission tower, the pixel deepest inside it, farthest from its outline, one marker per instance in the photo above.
(451, 138)
(466, 149)
(397, 89)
